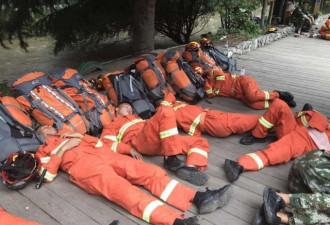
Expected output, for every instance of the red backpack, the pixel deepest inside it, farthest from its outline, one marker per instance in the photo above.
(49, 105)
(98, 108)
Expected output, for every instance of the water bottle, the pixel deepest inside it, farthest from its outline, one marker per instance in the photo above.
(243, 70)
(299, 31)
(227, 44)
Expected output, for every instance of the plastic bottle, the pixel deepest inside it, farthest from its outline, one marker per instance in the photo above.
(227, 44)
(243, 70)
(299, 32)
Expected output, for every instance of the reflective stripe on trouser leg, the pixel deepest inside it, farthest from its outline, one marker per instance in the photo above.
(168, 190)
(265, 123)
(253, 161)
(197, 157)
(168, 133)
(149, 209)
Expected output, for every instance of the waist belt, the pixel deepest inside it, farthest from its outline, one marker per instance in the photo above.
(202, 120)
(233, 86)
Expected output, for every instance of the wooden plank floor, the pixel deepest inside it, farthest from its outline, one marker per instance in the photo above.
(300, 65)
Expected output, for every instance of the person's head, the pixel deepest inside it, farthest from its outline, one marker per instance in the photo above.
(124, 109)
(305, 4)
(46, 131)
(193, 46)
(199, 70)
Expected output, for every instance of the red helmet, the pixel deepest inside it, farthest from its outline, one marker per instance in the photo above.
(193, 46)
(19, 169)
(199, 70)
(206, 42)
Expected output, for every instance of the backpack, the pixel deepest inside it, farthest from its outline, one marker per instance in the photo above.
(179, 80)
(198, 58)
(152, 74)
(49, 105)
(227, 64)
(16, 131)
(128, 90)
(98, 108)
(310, 173)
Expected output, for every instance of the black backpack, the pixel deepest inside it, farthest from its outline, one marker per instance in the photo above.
(129, 90)
(227, 64)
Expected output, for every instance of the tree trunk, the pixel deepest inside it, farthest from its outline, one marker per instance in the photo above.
(143, 26)
(263, 11)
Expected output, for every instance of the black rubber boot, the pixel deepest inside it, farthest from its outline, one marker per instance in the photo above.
(307, 107)
(287, 97)
(272, 204)
(259, 218)
(115, 222)
(250, 139)
(173, 163)
(188, 221)
(192, 175)
(210, 200)
(233, 170)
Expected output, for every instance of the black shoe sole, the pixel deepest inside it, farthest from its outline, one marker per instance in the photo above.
(229, 174)
(269, 218)
(217, 203)
(195, 177)
(259, 140)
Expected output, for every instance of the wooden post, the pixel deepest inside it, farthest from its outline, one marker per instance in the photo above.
(272, 2)
(316, 6)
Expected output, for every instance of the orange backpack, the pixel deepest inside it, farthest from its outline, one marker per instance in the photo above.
(178, 78)
(97, 108)
(49, 105)
(153, 75)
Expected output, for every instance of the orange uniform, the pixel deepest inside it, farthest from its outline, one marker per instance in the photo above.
(294, 138)
(325, 30)
(194, 120)
(156, 136)
(98, 170)
(244, 88)
(8, 219)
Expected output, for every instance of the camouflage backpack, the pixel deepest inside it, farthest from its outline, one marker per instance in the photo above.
(311, 173)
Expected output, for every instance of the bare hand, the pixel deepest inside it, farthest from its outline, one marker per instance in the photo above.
(72, 135)
(73, 142)
(135, 154)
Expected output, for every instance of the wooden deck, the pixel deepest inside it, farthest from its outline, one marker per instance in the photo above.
(300, 65)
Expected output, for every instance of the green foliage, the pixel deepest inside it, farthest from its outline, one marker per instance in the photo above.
(236, 17)
(4, 88)
(177, 18)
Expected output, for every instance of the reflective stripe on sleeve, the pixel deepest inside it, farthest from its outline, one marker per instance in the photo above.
(150, 208)
(220, 78)
(198, 151)
(179, 106)
(166, 103)
(266, 104)
(114, 146)
(59, 147)
(266, 95)
(304, 121)
(257, 159)
(168, 190)
(45, 159)
(194, 124)
(127, 125)
(265, 123)
(168, 133)
(233, 75)
(209, 91)
(48, 176)
(99, 144)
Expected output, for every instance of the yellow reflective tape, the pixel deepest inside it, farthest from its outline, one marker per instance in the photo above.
(150, 208)
(99, 144)
(216, 91)
(327, 35)
(233, 75)
(300, 114)
(209, 91)
(168, 190)
(58, 147)
(45, 159)
(257, 159)
(194, 124)
(179, 106)
(114, 146)
(212, 74)
(110, 137)
(198, 151)
(166, 103)
(325, 26)
(168, 133)
(266, 95)
(304, 121)
(220, 78)
(48, 176)
(127, 125)
(265, 123)
(266, 104)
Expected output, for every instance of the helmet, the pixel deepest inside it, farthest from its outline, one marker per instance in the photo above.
(199, 70)
(193, 46)
(19, 168)
(206, 42)
(272, 30)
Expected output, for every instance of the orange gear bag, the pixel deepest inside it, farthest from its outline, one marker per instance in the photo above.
(153, 75)
(198, 58)
(108, 86)
(97, 108)
(178, 78)
(49, 105)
